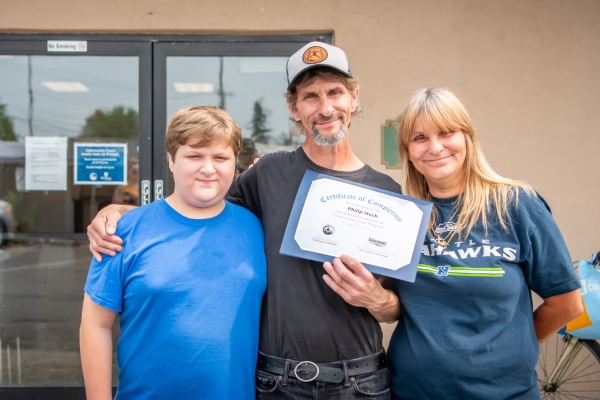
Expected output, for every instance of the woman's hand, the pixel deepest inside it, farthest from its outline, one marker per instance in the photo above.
(358, 287)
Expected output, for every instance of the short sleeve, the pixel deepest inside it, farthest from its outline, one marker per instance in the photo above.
(546, 261)
(104, 284)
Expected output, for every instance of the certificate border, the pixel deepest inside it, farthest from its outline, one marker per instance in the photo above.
(289, 247)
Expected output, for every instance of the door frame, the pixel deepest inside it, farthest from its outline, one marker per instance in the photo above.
(152, 51)
(36, 45)
(266, 47)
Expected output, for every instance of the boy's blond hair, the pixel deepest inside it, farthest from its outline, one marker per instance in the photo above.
(205, 125)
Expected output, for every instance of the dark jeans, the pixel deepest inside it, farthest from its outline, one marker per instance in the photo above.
(374, 385)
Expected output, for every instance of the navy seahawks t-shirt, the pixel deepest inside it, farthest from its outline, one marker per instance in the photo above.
(467, 326)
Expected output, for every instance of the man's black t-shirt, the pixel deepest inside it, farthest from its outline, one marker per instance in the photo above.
(302, 318)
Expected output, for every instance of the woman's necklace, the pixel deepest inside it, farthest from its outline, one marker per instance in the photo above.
(445, 241)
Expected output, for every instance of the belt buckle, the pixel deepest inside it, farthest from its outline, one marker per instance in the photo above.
(306, 363)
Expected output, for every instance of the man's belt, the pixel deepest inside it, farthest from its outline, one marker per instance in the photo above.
(308, 371)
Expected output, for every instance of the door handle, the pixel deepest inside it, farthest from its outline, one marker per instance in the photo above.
(145, 192)
(158, 189)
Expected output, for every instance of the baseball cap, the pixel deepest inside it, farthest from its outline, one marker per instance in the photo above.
(316, 55)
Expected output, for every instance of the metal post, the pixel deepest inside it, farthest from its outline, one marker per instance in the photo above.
(0, 361)
(19, 359)
(30, 117)
(575, 345)
(93, 205)
(221, 90)
(564, 362)
(8, 364)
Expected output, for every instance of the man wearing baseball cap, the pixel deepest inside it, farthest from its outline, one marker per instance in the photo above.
(319, 333)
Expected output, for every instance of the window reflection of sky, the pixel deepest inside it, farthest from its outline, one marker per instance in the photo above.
(245, 81)
(112, 81)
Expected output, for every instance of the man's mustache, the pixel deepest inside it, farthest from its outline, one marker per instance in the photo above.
(321, 118)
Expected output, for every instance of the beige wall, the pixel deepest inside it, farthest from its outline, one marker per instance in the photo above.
(527, 70)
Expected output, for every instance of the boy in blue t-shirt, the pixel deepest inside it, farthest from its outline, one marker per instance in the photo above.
(188, 284)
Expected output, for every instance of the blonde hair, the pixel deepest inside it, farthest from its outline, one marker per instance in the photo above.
(206, 125)
(483, 187)
(308, 78)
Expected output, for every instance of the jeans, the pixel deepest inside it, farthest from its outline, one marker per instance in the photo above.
(375, 385)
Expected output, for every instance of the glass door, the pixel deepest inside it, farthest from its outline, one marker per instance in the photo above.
(248, 80)
(82, 124)
(75, 136)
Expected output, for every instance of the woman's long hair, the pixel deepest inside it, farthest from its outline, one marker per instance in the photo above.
(482, 186)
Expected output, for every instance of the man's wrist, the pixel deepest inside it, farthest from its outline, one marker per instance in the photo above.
(389, 309)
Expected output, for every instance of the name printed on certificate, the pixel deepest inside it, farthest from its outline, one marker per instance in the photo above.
(340, 218)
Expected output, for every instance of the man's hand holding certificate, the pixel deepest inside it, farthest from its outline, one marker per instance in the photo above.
(381, 229)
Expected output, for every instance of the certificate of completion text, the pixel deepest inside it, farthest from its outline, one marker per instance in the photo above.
(375, 228)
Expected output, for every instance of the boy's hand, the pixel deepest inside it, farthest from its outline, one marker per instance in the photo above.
(101, 232)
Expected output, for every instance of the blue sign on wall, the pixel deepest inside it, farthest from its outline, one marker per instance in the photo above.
(100, 163)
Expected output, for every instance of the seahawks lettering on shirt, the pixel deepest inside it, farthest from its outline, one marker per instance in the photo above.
(462, 249)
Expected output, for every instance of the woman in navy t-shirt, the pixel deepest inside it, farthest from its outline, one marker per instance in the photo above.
(466, 328)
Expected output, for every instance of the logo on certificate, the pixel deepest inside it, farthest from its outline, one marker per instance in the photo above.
(377, 242)
(328, 230)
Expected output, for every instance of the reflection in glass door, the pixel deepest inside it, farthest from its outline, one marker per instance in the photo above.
(249, 88)
(114, 99)
(248, 80)
(49, 106)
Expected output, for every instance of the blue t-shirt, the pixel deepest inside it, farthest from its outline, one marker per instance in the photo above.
(467, 331)
(189, 293)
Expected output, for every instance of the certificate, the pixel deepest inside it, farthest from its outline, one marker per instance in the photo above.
(382, 229)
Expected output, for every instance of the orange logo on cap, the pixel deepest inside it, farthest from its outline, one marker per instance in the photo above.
(314, 55)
